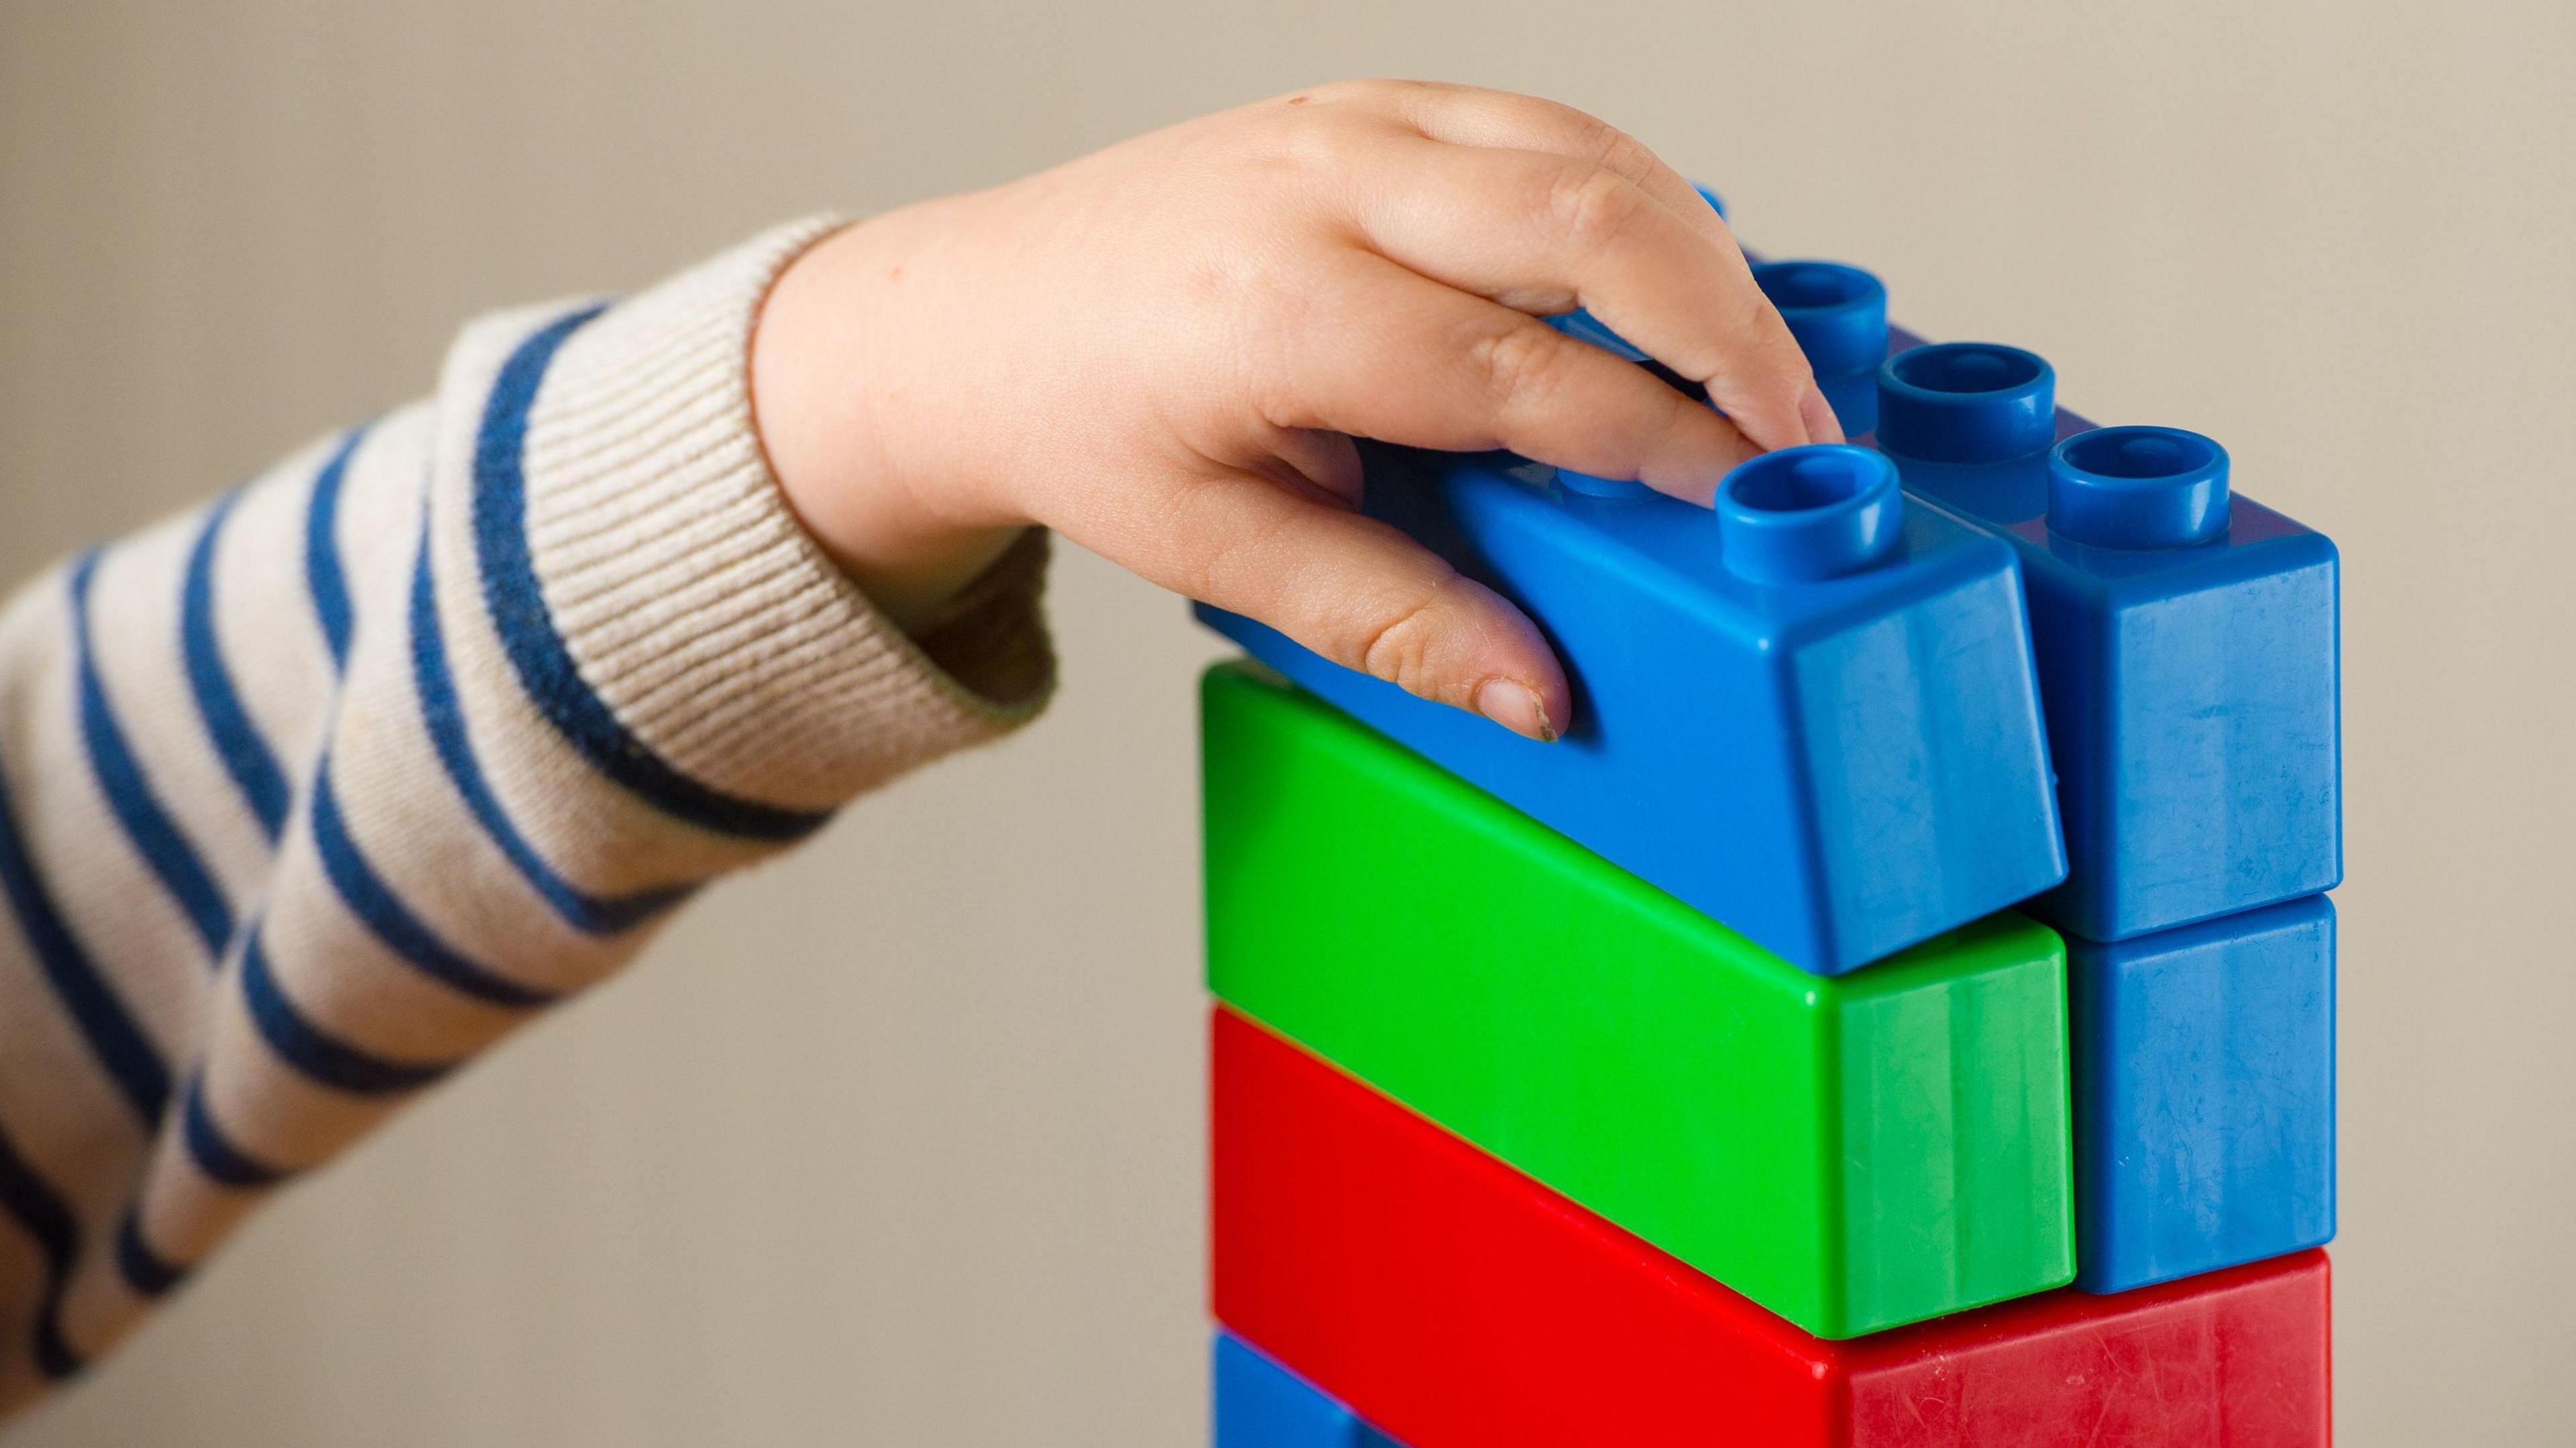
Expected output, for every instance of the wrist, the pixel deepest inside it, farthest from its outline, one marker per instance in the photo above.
(824, 394)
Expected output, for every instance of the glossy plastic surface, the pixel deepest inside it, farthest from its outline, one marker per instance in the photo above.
(2189, 648)
(1837, 768)
(1454, 1303)
(2204, 1094)
(1853, 1153)
(1259, 1403)
(1804, 514)
(2138, 488)
(2188, 639)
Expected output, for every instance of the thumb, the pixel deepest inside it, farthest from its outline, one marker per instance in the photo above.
(1351, 588)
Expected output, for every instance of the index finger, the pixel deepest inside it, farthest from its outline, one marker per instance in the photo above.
(1470, 116)
(1542, 233)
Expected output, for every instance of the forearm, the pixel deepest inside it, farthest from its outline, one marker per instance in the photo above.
(319, 792)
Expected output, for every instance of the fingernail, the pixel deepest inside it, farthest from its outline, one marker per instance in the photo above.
(1515, 706)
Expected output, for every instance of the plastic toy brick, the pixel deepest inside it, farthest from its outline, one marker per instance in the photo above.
(2187, 636)
(1454, 1303)
(1810, 713)
(1261, 1404)
(1852, 1153)
(2204, 1094)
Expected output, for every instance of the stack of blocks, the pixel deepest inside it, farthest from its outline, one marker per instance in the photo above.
(1898, 1011)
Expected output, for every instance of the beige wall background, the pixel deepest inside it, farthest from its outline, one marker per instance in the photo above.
(898, 1142)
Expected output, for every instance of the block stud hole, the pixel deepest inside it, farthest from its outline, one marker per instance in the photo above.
(1802, 285)
(2127, 453)
(1967, 368)
(1803, 514)
(2138, 487)
(1801, 481)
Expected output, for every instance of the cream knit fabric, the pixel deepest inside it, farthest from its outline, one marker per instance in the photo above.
(309, 796)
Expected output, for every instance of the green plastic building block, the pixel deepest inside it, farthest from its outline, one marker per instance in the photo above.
(1853, 1153)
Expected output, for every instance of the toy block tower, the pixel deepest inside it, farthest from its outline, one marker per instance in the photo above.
(1897, 1012)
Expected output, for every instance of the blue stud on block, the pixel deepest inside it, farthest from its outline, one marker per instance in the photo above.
(1261, 1404)
(2187, 638)
(2188, 641)
(1809, 712)
(2204, 1095)
(1839, 316)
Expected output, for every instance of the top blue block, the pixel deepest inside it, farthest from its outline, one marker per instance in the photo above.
(2187, 636)
(1811, 713)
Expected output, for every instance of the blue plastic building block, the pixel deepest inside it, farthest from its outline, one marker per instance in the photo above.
(2187, 638)
(2204, 1095)
(1809, 713)
(1261, 1404)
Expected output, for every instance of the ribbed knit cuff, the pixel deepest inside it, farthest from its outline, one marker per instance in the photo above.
(695, 604)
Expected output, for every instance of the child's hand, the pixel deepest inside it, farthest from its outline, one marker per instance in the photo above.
(1160, 350)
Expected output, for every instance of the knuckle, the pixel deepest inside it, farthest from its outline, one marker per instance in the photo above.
(1403, 85)
(1681, 412)
(1398, 648)
(1381, 105)
(1234, 563)
(1756, 318)
(1336, 91)
(1208, 574)
(1327, 125)
(1748, 327)
(1594, 206)
(1605, 143)
(1625, 156)
(1523, 365)
(1313, 144)
(1408, 98)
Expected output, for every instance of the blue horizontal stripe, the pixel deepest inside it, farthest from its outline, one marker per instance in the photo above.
(47, 1219)
(143, 1269)
(317, 1053)
(323, 577)
(120, 776)
(386, 917)
(246, 755)
(445, 716)
(214, 1152)
(537, 651)
(123, 1051)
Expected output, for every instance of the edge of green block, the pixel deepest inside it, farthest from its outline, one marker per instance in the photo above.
(1884, 1147)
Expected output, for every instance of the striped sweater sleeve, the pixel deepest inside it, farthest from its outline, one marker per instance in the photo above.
(308, 797)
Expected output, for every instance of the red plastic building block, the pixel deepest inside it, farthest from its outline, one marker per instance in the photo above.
(1454, 1303)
